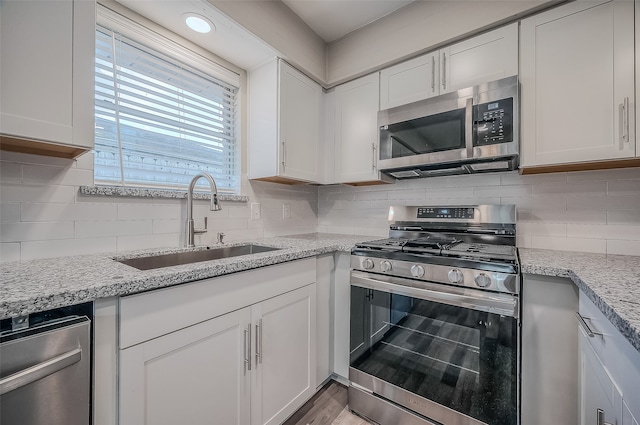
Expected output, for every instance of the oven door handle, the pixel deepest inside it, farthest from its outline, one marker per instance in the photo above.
(490, 302)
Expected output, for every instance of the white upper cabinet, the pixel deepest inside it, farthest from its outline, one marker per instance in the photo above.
(284, 125)
(356, 131)
(47, 67)
(409, 81)
(480, 59)
(577, 82)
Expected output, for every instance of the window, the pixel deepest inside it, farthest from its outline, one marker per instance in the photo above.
(159, 121)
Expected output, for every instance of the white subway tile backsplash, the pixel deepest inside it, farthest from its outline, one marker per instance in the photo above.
(562, 216)
(541, 229)
(68, 212)
(624, 187)
(602, 231)
(135, 242)
(148, 211)
(618, 247)
(515, 178)
(407, 194)
(36, 193)
(168, 226)
(10, 172)
(604, 175)
(474, 180)
(610, 202)
(569, 244)
(28, 231)
(596, 188)
(623, 217)
(9, 251)
(97, 229)
(61, 248)
(503, 191)
(65, 176)
(10, 212)
(538, 202)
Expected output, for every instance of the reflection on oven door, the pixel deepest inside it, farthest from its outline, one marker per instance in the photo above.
(460, 358)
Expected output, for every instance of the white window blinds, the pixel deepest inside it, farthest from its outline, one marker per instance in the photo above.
(160, 122)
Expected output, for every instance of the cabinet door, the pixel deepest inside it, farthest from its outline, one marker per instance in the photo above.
(577, 81)
(285, 369)
(598, 391)
(196, 375)
(481, 59)
(300, 102)
(410, 81)
(356, 130)
(47, 64)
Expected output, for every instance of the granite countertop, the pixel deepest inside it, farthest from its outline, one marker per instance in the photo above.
(612, 282)
(39, 285)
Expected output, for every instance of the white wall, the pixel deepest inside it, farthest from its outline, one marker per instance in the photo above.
(419, 27)
(590, 211)
(43, 215)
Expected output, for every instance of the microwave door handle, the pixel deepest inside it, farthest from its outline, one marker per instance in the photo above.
(468, 132)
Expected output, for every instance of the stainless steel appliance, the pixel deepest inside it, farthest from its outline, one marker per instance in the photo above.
(468, 131)
(45, 369)
(435, 328)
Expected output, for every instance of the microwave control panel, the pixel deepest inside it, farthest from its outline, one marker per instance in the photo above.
(494, 122)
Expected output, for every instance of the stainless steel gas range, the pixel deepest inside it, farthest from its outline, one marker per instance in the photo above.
(435, 318)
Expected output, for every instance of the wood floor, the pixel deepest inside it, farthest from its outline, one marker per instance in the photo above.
(327, 407)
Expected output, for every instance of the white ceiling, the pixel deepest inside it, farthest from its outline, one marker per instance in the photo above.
(330, 19)
(333, 19)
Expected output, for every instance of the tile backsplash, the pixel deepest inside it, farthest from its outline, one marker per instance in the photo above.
(589, 211)
(43, 214)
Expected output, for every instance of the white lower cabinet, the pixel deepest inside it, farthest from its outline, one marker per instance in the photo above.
(253, 366)
(233, 350)
(609, 371)
(193, 376)
(283, 371)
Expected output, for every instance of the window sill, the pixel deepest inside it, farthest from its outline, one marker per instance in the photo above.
(143, 192)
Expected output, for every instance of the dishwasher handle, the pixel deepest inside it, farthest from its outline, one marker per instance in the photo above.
(39, 371)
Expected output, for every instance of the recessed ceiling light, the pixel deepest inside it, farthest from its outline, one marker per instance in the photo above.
(198, 23)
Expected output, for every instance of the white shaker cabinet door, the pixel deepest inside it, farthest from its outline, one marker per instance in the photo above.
(47, 65)
(300, 102)
(599, 395)
(577, 82)
(356, 130)
(197, 375)
(285, 355)
(409, 81)
(480, 59)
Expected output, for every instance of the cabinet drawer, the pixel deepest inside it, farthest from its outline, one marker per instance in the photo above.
(156, 313)
(615, 352)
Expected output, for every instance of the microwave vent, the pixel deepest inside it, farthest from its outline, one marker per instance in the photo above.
(485, 166)
(405, 174)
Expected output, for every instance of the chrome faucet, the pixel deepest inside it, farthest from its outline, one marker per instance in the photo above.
(215, 206)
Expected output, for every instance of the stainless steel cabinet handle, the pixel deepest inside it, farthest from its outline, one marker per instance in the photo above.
(625, 120)
(247, 347)
(259, 342)
(373, 159)
(600, 417)
(444, 71)
(591, 333)
(284, 153)
(433, 73)
(39, 371)
(468, 132)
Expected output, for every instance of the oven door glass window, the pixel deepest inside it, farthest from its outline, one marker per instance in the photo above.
(434, 133)
(460, 358)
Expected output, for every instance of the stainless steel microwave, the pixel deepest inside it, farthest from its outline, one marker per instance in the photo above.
(471, 130)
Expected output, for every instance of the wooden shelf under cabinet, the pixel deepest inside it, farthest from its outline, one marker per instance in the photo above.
(36, 147)
(581, 166)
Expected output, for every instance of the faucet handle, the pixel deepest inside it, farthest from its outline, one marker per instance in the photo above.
(220, 238)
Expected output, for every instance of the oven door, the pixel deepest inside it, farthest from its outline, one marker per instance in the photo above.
(450, 354)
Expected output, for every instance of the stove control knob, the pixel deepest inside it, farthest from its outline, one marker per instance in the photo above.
(417, 271)
(482, 280)
(367, 264)
(455, 276)
(385, 266)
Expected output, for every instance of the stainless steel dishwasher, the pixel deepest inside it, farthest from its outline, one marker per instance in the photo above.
(45, 372)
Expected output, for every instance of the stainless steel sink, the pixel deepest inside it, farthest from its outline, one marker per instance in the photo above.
(167, 260)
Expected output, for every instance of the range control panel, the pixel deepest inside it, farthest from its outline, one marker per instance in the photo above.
(453, 213)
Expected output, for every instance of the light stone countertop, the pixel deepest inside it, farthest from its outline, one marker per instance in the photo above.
(39, 285)
(612, 282)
